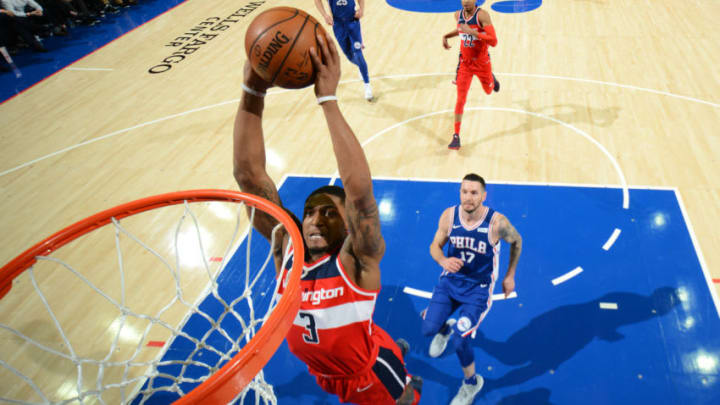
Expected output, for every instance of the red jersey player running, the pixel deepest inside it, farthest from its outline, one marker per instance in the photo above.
(476, 33)
(333, 333)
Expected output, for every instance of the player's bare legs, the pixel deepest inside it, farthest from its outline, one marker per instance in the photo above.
(469, 371)
(407, 397)
(411, 395)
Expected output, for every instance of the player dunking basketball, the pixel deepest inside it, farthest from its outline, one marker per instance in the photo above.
(476, 33)
(333, 333)
(345, 20)
(466, 283)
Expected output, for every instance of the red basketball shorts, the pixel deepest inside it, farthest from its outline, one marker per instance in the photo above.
(481, 69)
(381, 384)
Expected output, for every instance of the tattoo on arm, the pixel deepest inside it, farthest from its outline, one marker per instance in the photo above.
(264, 188)
(364, 224)
(507, 232)
(265, 223)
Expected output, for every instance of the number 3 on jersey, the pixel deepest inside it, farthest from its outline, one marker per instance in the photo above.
(312, 337)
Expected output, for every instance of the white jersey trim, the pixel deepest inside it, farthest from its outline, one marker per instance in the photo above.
(452, 220)
(357, 289)
(316, 264)
(339, 315)
(472, 331)
(477, 10)
(397, 378)
(476, 224)
(352, 285)
(491, 229)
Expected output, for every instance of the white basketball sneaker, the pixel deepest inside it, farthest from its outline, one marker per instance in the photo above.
(467, 392)
(368, 92)
(440, 341)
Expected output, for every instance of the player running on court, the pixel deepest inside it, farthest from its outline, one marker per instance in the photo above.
(466, 283)
(333, 333)
(476, 33)
(345, 20)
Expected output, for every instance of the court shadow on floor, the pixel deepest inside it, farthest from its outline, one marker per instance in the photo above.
(302, 385)
(571, 114)
(538, 396)
(557, 335)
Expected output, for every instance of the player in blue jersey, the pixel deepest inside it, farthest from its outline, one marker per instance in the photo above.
(466, 283)
(345, 20)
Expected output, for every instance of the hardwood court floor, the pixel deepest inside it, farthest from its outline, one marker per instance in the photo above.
(593, 92)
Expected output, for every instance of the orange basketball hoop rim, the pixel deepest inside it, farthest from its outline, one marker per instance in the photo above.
(226, 383)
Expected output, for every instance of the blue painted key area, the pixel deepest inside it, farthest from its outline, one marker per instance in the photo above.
(637, 325)
(446, 6)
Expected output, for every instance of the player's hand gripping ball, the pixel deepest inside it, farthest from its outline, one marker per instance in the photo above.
(277, 44)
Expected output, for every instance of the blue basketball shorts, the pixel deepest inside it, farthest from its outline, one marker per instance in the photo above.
(471, 300)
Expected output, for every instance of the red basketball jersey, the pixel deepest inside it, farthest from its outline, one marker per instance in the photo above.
(332, 331)
(472, 48)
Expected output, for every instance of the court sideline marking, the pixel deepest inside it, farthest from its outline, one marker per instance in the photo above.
(703, 266)
(716, 105)
(553, 77)
(567, 276)
(621, 175)
(696, 245)
(612, 239)
(427, 294)
(529, 75)
(89, 69)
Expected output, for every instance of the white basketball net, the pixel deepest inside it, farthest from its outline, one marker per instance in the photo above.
(139, 389)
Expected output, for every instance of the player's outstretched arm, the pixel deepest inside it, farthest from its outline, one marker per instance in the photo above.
(452, 33)
(249, 154)
(365, 243)
(321, 8)
(507, 232)
(449, 35)
(451, 264)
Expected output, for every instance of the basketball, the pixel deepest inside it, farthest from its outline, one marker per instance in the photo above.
(277, 44)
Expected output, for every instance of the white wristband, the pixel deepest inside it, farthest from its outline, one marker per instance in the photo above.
(255, 93)
(323, 99)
